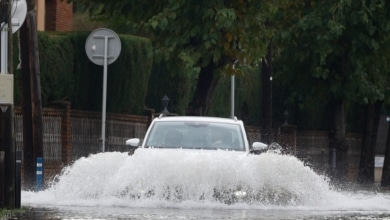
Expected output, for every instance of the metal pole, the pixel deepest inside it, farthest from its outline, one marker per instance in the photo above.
(233, 79)
(4, 48)
(104, 93)
(232, 96)
(18, 178)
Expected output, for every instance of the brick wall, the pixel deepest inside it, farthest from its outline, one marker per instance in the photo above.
(59, 16)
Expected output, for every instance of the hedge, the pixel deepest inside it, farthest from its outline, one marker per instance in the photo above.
(68, 74)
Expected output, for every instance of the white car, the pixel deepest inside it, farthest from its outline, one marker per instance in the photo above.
(197, 132)
(206, 135)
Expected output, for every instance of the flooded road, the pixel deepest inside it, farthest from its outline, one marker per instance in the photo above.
(200, 214)
(179, 184)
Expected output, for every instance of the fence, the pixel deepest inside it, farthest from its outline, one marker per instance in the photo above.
(86, 131)
(71, 134)
(313, 146)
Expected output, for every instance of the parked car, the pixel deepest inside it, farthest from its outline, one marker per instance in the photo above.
(197, 132)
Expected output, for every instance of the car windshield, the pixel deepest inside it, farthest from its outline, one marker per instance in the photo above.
(196, 135)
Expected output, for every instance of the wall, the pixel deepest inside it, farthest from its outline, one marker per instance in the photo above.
(40, 5)
(54, 15)
(58, 15)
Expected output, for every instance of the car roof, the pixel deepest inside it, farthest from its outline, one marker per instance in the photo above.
(199, 118)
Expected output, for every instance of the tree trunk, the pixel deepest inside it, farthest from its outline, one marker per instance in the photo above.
(338, 147)
(207, 82)
(385, 181)
(367, 156)
(266, 97)
(32, 103)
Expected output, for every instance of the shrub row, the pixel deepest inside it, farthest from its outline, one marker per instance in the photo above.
(67, 73)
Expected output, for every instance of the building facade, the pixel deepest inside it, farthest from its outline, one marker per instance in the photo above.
(54, 15)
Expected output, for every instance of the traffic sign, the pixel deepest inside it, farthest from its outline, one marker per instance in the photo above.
(95, 46)
(103, 47)
(19, 12)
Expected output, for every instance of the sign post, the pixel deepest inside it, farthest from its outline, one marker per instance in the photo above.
(10, 22)
(18, 15)
(103, 47)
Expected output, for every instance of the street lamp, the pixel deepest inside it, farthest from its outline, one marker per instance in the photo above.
(285, 117)
(232, 90)
(165, 101)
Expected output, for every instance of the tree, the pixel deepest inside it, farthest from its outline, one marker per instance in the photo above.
(385, 182)
(266, 105)
(367, 158)
(368, 28)
(204, 38)
(336, 55)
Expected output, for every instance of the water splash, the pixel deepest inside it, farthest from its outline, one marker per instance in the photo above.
(167, 177)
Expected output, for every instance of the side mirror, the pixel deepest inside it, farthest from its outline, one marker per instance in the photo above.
(258, 148)
(133, 142)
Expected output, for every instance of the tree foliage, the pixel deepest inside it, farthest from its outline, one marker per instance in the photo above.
(336, 50)
(194, 32)
(202, 39)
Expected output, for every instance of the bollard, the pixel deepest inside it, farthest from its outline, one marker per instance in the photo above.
(39, 176)
(18, 185)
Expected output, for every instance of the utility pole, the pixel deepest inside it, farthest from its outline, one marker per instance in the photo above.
(32, 102)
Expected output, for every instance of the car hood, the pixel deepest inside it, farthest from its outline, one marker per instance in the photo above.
(191, 154)
(200, 151)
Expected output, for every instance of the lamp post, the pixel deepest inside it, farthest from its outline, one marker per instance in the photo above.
(165, 102)
(285, 117)
(232, 90)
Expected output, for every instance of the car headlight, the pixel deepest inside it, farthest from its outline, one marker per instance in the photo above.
(240, 194)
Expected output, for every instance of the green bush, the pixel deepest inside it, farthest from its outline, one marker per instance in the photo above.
(67, 73)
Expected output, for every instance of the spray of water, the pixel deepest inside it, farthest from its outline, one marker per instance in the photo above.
(174, 176)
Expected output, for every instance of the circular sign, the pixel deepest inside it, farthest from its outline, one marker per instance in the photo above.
(18, 14)
(98, 42)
